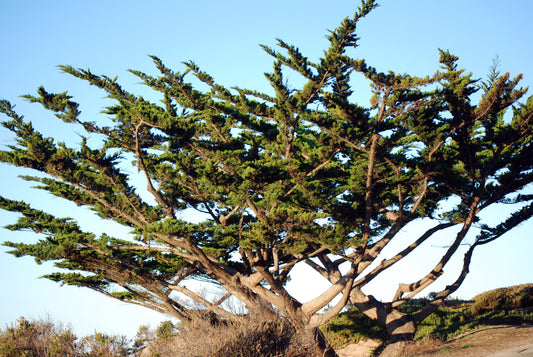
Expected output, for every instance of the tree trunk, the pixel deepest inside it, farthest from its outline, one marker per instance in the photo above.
(322, 347)
(401, 329)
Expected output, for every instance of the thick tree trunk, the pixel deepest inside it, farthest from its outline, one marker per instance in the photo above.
(401, 329)
(393, 349)
(322, 347)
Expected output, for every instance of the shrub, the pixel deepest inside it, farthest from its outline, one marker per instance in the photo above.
(352, 326)
(504, 306)
(37, 338)
(44, 338)
(514, 297)
(165, 330)
(103, 345)
(253, 336)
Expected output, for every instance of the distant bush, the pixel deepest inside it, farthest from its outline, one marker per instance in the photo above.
(103, 345)
(37, 338)
(44, 338)
(504, 306)
(514, 297)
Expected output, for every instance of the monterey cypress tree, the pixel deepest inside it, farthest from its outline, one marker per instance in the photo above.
(299, 176)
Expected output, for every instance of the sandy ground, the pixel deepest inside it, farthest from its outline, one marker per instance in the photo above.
(521, 351)
(361, 349)
(492, 341)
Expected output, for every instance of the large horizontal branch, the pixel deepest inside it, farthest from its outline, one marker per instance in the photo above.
(311, 307)
(177, 252)
(321, 319)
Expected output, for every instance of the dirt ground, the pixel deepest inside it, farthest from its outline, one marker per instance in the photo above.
(494, 341)
(487, 341)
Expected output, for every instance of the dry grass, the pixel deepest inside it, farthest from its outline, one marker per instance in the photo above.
(257, 336)
(44, 338)
(37, 338)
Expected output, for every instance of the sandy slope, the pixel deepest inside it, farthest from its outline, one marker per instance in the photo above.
(491, 341)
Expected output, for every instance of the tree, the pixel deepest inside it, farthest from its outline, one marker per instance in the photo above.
(297, 176)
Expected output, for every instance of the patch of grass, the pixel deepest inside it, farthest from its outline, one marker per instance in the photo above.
(351, 327)
(505, 306)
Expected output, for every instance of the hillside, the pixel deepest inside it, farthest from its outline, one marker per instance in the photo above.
(495, 320)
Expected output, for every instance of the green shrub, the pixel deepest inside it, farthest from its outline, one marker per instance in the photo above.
(514, 297)
(504, 306)
(165, 330)
(103, 345)
(351, 327)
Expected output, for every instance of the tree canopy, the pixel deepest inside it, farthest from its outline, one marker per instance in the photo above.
(302, 175)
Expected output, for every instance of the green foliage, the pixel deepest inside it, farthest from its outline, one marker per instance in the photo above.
(39, 338)
(353, 326)
(514, 297)
(103, 345)
(165, 330)
(504, 306)
(279, 179)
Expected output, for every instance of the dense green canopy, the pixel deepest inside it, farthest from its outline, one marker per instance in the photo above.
(303, 175)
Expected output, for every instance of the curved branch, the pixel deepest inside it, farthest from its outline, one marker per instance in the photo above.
(169, 211)
(319, 320)
(437, 271)
(215, 307)
(389, 262)
(427, 310)
(311, 307)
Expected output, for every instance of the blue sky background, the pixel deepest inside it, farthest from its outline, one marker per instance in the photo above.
(222, 37)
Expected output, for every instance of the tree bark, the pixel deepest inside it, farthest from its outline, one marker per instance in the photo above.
(322, 347)
(393, 349)
(401, 329)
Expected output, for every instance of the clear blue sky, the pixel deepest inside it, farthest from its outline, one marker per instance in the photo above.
(222, 37)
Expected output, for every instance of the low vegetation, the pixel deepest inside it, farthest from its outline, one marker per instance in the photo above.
(267, 335)
(44, 338)
(505, 306)
(253, 336)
